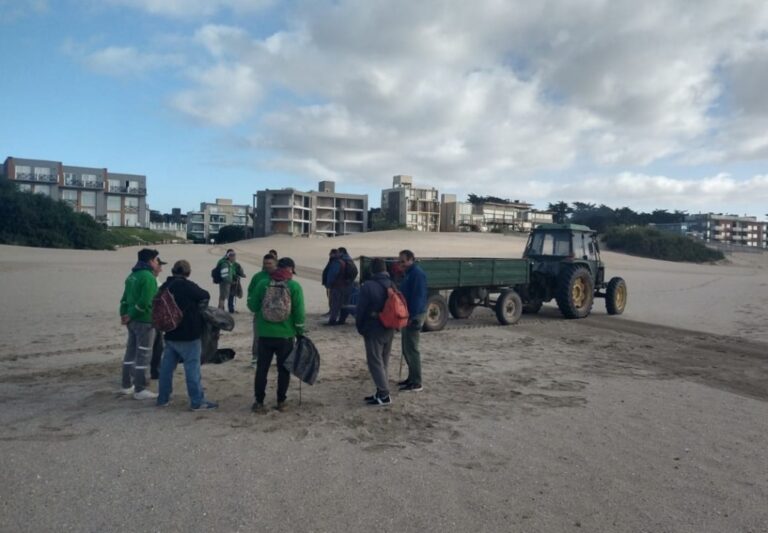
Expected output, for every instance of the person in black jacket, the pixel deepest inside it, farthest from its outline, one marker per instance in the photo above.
(377, 338)
(183, 343)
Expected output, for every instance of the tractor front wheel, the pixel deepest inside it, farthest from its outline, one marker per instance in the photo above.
(616, 296)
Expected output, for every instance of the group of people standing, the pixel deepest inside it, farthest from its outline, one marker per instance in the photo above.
(277, 301)
(181, 344)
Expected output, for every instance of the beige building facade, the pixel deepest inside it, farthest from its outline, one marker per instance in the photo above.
(411, 207)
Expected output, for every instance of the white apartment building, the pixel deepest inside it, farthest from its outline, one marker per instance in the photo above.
(324, 212)
(206, 223)
(409, 206)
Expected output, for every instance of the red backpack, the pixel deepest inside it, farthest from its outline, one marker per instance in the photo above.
(395, 312)
(166, 314)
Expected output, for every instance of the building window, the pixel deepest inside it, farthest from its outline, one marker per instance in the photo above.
(43, 172)
(69, 196)
(131, 219)
(131, 201)
(113, 203)
(89, 210)
(88, 199)
(45, 190)
(24, 187)
(113, 219)
(22, 170)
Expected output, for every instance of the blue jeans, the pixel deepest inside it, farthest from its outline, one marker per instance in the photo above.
(188, 353)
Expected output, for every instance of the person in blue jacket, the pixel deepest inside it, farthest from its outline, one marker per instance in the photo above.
(414, 289)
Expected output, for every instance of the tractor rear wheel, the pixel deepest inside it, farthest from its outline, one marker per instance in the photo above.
(575, 292)
(509, 307)
(460, 303)
(437, 313)
(616, 296)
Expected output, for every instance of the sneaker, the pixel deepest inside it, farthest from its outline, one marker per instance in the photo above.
(280, 407)
(205, 406)
(403, 383)
(144, 394)
(412, 387)
(257, 407)
(127, 391)
(379, 401)
(370, 398)
(166, 404)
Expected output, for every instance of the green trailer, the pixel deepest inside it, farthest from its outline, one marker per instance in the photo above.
(472, 281)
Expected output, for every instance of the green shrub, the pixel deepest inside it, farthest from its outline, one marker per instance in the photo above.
(650, 242)
(28, 219)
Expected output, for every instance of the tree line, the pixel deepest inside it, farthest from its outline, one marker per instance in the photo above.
(601, 217)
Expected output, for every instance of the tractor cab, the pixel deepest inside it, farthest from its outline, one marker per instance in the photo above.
(551, 246)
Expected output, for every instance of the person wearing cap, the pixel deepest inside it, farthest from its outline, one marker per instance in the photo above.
(136, 315)
(227, 272)
(183, 343)
(276, 338)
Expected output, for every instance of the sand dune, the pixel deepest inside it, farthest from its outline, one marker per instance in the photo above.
(652, 421)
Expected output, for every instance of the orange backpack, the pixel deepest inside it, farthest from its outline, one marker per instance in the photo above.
(395, 312)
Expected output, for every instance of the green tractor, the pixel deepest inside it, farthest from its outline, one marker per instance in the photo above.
(566, 266)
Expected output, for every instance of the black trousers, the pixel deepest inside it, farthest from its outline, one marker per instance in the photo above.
(269, 347)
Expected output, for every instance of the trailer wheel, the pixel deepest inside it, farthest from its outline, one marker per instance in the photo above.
(437, 313)
(575, 292)
(616, 296)
(461, 303)
(509, 307)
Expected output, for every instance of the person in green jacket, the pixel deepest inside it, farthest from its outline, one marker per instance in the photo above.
(226, 266)
(136, 315)
(268, 265)
(276, 338)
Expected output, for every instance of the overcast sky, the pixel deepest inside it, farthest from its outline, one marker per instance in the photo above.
(658, 104)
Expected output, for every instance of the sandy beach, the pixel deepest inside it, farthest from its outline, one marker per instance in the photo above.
(652, 421)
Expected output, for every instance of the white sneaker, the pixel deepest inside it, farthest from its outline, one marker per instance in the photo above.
(127, 391)
(145, 394)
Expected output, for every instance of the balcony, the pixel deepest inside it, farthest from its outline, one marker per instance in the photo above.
(74, 182)
(26, 176)
(141, 191)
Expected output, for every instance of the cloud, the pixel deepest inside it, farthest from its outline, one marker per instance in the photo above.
(224, 96)
(128, 61)
(193, 8)
(708, 193)
(488, 94)
(13, 10)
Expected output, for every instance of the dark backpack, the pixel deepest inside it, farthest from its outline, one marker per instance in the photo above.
(166, 313)
(394, 315)
(350, 270)
(304, 361)
(216, 274)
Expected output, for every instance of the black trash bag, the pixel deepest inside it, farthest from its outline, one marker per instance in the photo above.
(304, 360)
(222, 355)
(214, 320)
